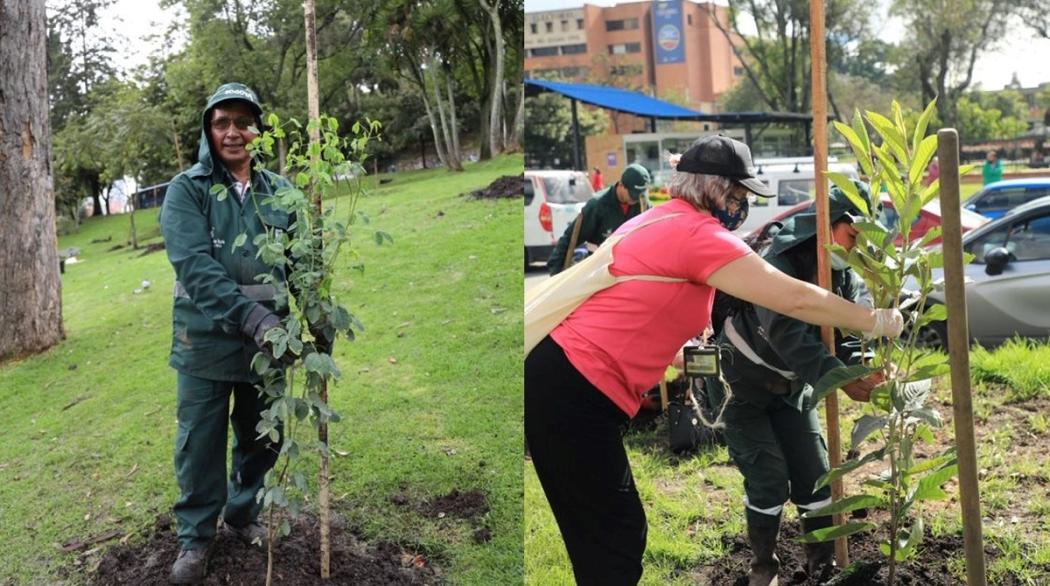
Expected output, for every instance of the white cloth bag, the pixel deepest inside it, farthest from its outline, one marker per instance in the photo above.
(550, 302)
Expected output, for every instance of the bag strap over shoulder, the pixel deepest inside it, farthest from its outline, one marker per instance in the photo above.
(656, 278)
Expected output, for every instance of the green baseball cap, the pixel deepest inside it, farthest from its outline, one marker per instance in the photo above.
(235, 91)
(636, 179)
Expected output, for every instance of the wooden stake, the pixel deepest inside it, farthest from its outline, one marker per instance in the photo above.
(820, 166)
(959, 356)
(324, 490)
(576, 225)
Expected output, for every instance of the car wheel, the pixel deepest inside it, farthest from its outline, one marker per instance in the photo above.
(528, 261)
(933, 335)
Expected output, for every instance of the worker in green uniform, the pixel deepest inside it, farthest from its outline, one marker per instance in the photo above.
(604, 213)
(220, 318)
(771, 363)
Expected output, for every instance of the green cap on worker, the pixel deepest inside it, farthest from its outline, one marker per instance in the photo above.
(235, 91)
(636, 179)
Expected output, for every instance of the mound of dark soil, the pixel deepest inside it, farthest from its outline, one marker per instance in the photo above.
(296, 560)
(464, 505)
(868, 567)
(506, 186)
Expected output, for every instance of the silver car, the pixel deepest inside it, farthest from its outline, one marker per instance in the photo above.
(1008, 283)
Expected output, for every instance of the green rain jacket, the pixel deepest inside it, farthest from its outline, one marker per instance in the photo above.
(216, 287)
(602, 215)
(784, 344)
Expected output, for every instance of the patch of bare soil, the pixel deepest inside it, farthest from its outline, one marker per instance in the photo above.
(296, 560)
(469, 506)
(504, 187)
(868, 567)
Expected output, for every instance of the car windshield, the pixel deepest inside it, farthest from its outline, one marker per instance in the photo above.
(567, 189)
(791, 192)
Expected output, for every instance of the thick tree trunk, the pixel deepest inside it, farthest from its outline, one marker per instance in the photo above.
(484, 151)
(495, 126)
(30, 288)
(519, 122)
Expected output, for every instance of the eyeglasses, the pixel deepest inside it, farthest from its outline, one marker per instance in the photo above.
(241, 122)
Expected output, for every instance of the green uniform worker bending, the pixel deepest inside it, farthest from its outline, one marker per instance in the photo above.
(771, 362)
(220, 318)
(603, 214)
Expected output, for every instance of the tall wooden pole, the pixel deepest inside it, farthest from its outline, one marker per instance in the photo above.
(959, 356)
(323, 497)
(820, 167)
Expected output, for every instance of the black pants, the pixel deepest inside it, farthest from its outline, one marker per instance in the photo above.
(575, 435)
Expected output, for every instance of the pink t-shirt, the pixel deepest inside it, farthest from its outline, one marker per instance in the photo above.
(624, 337)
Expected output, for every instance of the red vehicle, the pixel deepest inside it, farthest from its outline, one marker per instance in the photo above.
(929, 216)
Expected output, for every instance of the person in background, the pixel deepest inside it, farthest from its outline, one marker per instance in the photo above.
(586, 379)
(933, 172)
(596, 179)
(992, 170)
(771, 362)
(603, 214)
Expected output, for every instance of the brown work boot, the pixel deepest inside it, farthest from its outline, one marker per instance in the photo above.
(190, 567)
(764, 561)
(253, 533)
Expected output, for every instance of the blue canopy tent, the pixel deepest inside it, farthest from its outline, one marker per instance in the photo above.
(610, 98)
(638, 104)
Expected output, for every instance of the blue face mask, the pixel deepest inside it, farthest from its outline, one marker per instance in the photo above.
(733, 216)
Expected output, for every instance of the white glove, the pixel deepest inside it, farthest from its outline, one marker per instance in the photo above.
(888, 323)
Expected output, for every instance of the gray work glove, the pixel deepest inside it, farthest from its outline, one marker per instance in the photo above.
(261, 320)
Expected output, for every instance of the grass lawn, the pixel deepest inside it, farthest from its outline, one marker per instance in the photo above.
(430, 393)
(692, 502)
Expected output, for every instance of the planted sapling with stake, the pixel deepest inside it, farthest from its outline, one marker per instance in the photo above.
(896, 277)
(307, 251)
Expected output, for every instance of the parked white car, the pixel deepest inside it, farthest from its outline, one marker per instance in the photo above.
(553, 199)
(793, 182)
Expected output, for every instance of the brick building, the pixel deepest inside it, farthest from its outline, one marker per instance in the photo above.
(671, 50)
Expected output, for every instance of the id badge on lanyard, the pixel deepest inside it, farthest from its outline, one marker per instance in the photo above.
(701, 361)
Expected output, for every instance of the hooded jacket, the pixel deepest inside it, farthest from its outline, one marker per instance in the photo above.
(792, 351)
(602, 215)
(216, 286)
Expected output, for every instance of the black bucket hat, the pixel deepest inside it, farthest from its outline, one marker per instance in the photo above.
(721, 155)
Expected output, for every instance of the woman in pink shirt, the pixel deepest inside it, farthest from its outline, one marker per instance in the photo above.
(585, 380)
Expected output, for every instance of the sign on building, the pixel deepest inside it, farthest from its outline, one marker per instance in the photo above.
(668, 38)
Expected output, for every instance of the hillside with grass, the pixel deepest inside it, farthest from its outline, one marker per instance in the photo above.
(430, 393)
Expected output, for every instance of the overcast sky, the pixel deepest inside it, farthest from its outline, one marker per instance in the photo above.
(1022, 52)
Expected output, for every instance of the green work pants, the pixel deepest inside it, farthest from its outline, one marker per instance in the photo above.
(779, 451)
(200, 457)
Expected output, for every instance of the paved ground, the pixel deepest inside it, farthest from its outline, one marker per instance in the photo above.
(534, 275)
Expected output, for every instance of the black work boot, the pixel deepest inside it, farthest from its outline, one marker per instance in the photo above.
(764, 561)
(190, 567)
(820, 557)
(253, 533)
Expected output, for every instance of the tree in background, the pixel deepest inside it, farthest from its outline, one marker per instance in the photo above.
(30, 289)
(946, 38)
(776, 59)
(79, 59)
(548, 135)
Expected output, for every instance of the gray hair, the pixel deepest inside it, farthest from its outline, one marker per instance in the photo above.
(704, 192)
